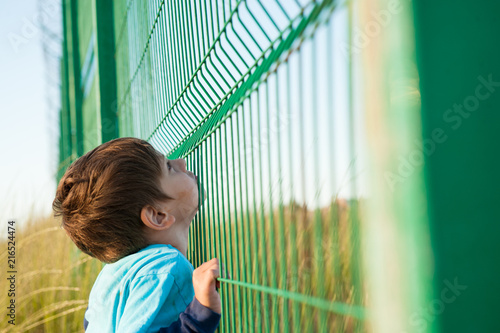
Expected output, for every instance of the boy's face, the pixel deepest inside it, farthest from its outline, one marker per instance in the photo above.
(182, 186)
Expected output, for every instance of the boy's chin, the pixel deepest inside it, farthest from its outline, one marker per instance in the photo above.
(202, 194)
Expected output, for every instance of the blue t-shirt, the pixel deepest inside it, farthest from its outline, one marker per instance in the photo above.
(141, 292)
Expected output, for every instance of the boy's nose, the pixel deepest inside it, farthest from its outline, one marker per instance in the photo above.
(181, 164)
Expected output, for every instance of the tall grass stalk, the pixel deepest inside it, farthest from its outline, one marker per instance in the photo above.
(53, 280)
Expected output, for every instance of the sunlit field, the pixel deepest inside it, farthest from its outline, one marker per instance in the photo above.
(54, 278)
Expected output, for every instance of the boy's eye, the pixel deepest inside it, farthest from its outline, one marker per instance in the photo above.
(169, 166)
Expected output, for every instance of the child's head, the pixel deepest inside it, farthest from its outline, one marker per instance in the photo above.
(113, 197)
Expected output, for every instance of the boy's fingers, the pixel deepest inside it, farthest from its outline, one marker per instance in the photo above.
(214, 264)
(224, 272)
(213, 261)
(209, 265)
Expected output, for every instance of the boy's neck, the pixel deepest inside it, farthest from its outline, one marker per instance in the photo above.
(181, 241)
(176, 236)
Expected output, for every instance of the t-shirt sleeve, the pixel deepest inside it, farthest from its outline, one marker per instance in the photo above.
(196, 318)
(146, 296)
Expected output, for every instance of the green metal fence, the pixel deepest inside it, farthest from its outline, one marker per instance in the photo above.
(256, 98)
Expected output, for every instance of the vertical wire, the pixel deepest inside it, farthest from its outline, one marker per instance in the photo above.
(181, 48)
(166, 49)
(195, 224)
(272, 236)
(262, 213)
(282, 245)
(175, 51)
(201, 208)
(255, 237)
(293, 219)
(192, 229)
(215, 195)
(202, 183)
(306, 310)
(229, 224)
(152, 92)
(132, 43)
(147, 76)
(199, 226)
(212, 23)
(207, 29)
(199, 235)
(237, 223)
(139, 91)
(318, 221)
(157, 75)
(204, 187)
(251, 238)
(166, 61)
(224, 11)
(159, 57)
(217, 16)
(187, 41)
(245, 241)
(224, 243)
(334, 219)
(190, 254)
(192, 48)
(215, 213)
(199, 32)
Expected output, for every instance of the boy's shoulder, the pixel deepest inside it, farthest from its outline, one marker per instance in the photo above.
(157, 259)
(153, 260)
(148, 276)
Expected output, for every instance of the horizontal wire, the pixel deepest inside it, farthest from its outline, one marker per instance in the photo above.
(344, 309)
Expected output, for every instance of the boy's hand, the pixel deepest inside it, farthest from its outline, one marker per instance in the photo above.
(205, 283)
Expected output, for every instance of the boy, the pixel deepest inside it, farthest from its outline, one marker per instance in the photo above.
(126, 205)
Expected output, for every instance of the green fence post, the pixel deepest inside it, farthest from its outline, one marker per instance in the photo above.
(75, 91)
(65, 148)
(459, 66)
(106, 69)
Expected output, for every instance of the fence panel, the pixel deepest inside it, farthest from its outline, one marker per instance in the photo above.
(260, 100)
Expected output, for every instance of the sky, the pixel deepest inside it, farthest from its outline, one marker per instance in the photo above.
(27, 125)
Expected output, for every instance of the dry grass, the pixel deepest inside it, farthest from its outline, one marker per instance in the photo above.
(53, 280)
(312, 254)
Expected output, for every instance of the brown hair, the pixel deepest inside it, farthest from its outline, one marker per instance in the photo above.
(101, 195)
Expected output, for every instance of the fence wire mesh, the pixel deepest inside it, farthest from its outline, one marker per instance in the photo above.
(259, 99)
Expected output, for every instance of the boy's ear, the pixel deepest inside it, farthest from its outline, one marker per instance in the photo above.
(156, 219)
